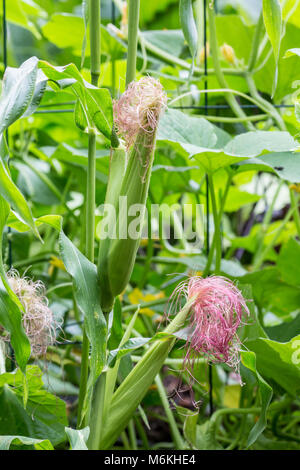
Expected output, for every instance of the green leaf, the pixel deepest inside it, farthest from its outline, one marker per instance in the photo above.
(60, 31)
(265, 391)
(38, 444)
(45, 414)
(84, 274)
(10, 192)
(17, 224)
(272, 19)
(285, 331)
(188, 25)
(213, 148)
(116, 330)
(200, 437)
(11, 320)
(4, 212)
(78, 438)
(18, 12)
(286, 165)
(279, 362)
(290, 256)
(95, 110)
(17, 92)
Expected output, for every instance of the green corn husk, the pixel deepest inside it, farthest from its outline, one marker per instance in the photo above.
(117, 256)
(133, 389)
(116, 174)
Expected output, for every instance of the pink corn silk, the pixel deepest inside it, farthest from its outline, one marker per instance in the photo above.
(216, 313)
(139, 108)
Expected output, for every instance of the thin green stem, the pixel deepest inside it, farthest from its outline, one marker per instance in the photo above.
(219, 74)
(221, 211)
(256, 117)
(265, 224)
(132, 435)
(259, 260)
(95, 22)
(178, 441)
(295, 207)
(133, 25)
(141, 432)
(173, 60)
(264, 104)
(217, 225)
(255, 44)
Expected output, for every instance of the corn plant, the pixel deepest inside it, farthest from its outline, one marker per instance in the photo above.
(149, 225)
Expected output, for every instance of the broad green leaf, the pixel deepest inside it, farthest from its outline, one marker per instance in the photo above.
(45, 414)
(60, 31)
(78, 438)
(286, 165)
(11, 320)
(201, 437)
(18, 11)
(237, 199)
(279, 362)
(271, 293)
(84, 274)
(288, 262)
(79, 157)
(171, 41)
(213, 148)
(285, 331)
(10, 192)
(10, 308)
(18, 441)
(265, 391)
(17, 92)
(95, 103)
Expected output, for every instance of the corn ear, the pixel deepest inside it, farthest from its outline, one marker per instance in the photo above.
(117, 256)
(133, 389)
(117, 169)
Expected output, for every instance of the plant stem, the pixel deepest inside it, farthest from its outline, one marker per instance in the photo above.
(133, 25)
(262, 254)
(179, 443)
(173, 60)
(264, 104)
(132, 435)
(95, 21)
(227, 119)
(97, 414)
(294, 205)
(217, 234)
(212, 248)
(219, 74)
(255, 44)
